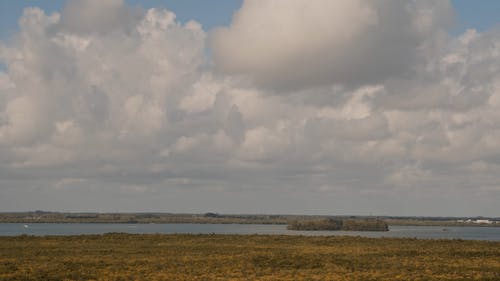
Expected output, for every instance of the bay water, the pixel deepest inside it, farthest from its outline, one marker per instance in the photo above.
(425, 232)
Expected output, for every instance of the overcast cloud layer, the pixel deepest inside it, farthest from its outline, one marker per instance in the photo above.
(329, 107)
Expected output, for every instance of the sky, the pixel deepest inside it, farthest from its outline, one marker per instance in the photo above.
(286, 106)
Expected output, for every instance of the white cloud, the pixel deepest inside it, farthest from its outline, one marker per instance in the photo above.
(202, 96)
(264, 143)
(297, 44)
(184, 144)
(98, 16)
(132, 104)
(24, 121)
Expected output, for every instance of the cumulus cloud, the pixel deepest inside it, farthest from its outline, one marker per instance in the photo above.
(297, 44)
(92, 90)
(383, 110)
(98, 16)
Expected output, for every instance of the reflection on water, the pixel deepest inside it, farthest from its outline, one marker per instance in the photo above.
(432, 232)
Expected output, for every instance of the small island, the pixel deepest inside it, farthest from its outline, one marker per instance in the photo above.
(339, 224)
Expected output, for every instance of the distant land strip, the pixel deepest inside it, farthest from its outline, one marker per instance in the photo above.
(216, 218)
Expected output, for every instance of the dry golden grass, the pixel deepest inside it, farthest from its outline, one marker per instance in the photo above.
(244, 257)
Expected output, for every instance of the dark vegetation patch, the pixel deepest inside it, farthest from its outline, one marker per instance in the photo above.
(339, 224)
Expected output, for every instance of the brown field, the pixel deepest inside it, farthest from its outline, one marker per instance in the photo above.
(244, 257)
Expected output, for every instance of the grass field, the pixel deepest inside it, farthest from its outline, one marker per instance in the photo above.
(244, 257)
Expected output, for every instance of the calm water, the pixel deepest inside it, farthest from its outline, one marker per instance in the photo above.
(433, 232)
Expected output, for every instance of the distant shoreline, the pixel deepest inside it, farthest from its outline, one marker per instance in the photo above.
(215, 218)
